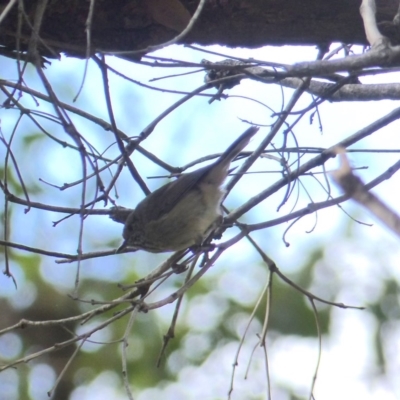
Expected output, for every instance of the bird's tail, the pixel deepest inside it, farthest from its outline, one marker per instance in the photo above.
(219, 174)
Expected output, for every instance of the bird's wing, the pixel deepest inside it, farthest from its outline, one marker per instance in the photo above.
(164, 199)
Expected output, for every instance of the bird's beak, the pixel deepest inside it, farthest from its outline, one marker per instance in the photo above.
(123, 246)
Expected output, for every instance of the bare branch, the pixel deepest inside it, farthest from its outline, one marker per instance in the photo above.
(353, 186)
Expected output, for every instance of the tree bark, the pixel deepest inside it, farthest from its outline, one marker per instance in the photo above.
(122, 25)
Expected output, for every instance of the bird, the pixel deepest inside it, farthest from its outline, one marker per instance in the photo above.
(182, 213)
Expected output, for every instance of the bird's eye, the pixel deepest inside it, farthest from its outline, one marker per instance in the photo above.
(131, 223)
(129, 228)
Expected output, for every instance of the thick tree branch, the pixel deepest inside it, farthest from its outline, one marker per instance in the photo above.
(135, 25)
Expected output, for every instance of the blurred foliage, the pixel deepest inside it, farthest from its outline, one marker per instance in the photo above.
(290, 315)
